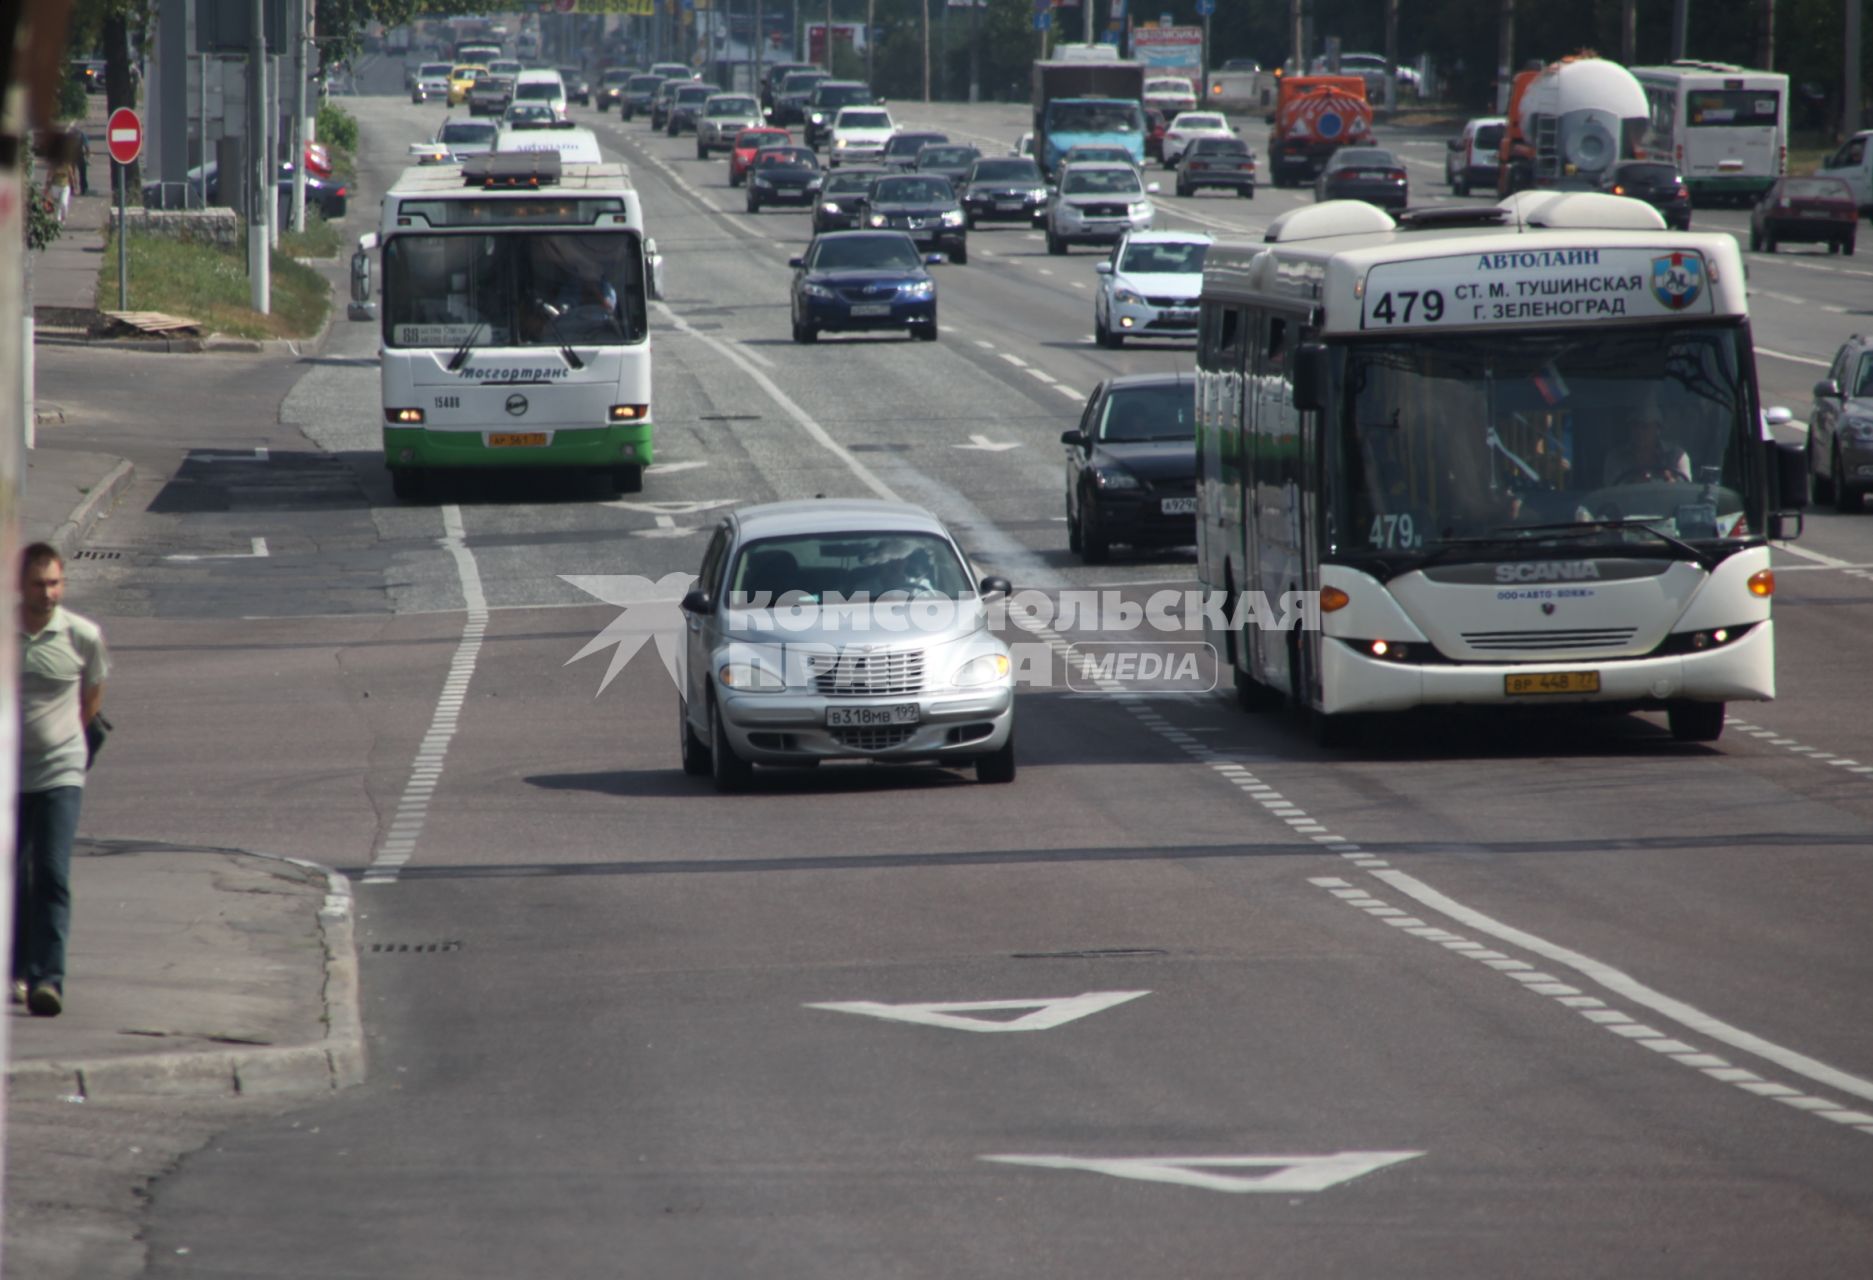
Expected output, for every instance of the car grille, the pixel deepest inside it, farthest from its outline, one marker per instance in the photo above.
(1104, 210)
(1185, 303)
(876, 739)
(1511, 641)
(870, 293)
(864, 675)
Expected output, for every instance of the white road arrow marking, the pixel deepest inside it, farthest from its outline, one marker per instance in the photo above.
(987, 445)
(1287, 1175)
(1048, 1013)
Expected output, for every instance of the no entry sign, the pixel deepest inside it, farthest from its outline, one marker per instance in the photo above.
(124, 135)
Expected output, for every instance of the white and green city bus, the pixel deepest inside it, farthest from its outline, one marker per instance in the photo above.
(514, 319)
(1725, 127)
(1437, 427)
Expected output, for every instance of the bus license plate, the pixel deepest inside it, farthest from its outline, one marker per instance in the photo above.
(1178, 506)
(869, 717)
(871, 308)
(1549, 682)
(515, 439)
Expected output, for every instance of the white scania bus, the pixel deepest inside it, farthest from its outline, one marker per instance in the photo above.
(514, 325)
(1726, 128)
(1516, 450)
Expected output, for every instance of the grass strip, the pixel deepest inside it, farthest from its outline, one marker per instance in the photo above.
(208, 284)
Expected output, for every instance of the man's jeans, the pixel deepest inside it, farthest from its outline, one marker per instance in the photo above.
(42, 883)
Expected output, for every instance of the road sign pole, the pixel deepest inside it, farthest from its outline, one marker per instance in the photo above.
(123, 240)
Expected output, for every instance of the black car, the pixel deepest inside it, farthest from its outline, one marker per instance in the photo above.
(948, 160)
(841, 200)
(1372, 174)
(1004, 189)
(826, 100)
(1840, 428)
(783, 175)
(490, 95)
(578, 88)
(1659, 185)
(1217, 162)
(326, 197)
(660, 99)
(637, 93)
(772, 76)
(1132, 466)
(791, 95)
(922, 206)
(611, 86)
(686, 106)
(901, 151)
(863, 280)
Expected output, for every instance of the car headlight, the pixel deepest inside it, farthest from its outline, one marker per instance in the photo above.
(830, 206)
(1129, 297)
(1860, 429)
(918, 288)
(877, 220)
(818, 118)
(840, 144)
(816, 291)
(1039, 193)
(748, 675)
(762, 182)
(1141, 209)
(953, 218)
(1068, 213)
(1115, 478)
(986, 669)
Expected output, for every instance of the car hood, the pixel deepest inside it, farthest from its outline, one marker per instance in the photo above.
(854, 277)
(1079, 199)
(1162, 284)
(888, 625)
(865, 137)
(1153, 460)
(920, 209)
(787, 175)
(1004, 186)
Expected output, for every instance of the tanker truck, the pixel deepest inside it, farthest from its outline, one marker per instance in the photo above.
(1314, 117)
(1569, 123)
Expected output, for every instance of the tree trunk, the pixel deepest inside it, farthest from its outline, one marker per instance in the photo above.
(118, 89)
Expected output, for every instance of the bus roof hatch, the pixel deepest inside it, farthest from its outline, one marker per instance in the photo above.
(512, 169)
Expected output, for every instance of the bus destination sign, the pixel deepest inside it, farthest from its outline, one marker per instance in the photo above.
(1537, 286)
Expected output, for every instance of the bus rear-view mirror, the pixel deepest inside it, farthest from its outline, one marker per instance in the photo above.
(1310, 378)
(1789, 463)
(362, 307)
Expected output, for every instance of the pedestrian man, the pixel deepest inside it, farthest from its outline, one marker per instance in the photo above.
(83, 140)
(61, 689)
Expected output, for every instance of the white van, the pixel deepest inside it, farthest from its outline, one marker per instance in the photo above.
(1853, 164)
(575, 146)
(542, 84)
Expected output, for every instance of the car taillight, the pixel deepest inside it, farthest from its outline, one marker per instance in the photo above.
(1682, 190)
(339, 192)
(1396, 175)
(1618, 190)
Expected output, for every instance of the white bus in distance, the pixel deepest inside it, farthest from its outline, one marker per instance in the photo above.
(574, 144)
(1442, 428)
(1726, 128)
(514, 328)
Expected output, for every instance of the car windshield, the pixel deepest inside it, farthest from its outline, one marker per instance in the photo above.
(800, 81)
(466, 131)
(514, 289)
(841, 182)
(911, 191)
(1164, 412)
(851, 253)
(1865, 387)
(762, 139)
(1816, 189)
(539, 91)
(1167, 86)
(841, 96)
(946, 157)
(1095, 117)
(1094, 181)
(1363, 158)
(834, 567)
(909, 144)
(1656, 173)
(864, 120)
(770, 157)
(732, 107)
(1488, 137)
(689, 95)
(1219, 147)
(433, 69)
(1164, 257)
(1190, 121)
(1116, 154)
(1005, 171)
(642, 84)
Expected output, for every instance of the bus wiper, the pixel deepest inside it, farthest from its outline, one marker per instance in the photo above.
(565, 348)
(461, 353)
(1647, 523)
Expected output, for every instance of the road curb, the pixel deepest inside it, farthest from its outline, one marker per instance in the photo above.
(77, 526)
(335, 1062)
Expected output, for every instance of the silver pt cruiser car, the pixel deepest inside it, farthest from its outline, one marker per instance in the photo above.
(841, 629)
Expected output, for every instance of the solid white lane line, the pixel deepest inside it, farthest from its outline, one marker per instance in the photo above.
(405, 832)
(1782, 355)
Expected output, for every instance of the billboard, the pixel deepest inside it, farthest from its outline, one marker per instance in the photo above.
(1170, 51)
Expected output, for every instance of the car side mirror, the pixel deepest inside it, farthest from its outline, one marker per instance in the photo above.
(1152, 188)
(1827, 389)
(1310, 378)
(1455, 144)
(697, 601)
(796, 263)
(1790, 468)
(1102, 268)
(995, 585)
(1075, 438)
(935, 259)
(1777, 416)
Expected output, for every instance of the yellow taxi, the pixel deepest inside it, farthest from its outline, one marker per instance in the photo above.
(461, 78)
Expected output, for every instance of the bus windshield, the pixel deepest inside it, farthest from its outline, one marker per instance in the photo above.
(514, 288)
(1708, 108)
(1609, 436)
(1095, 117)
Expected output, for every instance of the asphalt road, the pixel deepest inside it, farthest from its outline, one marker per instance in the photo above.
(1556, 996)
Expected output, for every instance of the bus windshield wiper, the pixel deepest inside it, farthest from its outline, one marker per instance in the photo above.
(1581, 528)
(565, 348)
(461, 353)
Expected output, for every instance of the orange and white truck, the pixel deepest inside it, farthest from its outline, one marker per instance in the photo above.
(1314, 117)
(1569, 123)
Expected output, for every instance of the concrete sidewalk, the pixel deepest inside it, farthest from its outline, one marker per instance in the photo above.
(65, 272)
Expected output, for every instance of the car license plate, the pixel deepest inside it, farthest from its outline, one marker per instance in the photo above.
(870, 717)
(1178, 506)
(1181, 317)
(516, 439)
(871, 308)
(1007, 206)
(1536, 683)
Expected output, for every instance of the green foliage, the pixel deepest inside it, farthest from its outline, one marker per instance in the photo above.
(209, 284)
(337, 127)
(42, 224)
(73, 100)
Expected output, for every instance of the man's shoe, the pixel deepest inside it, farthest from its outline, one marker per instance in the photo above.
(19, 991)
(45, 1001)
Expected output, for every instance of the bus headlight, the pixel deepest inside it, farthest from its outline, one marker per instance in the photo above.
(404, 417)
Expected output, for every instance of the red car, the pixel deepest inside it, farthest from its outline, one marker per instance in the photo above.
(1806, 209)
(1155, 124)
(749, 141)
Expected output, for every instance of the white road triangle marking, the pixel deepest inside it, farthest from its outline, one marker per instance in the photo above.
(1286, 1175)
(1047, 1013)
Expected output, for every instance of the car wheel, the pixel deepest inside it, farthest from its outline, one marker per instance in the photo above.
(1073, 525)
(1833, 248)
(754, 206)
(734, 179)
(1819, 486)
(961, 256)
(702, 152)
(998, 766)
(1846, 496)
(1459, 187)
(408, 484)
(1094, 546)
(1846, 246)
(1695, 721)
(627, 478)
(1055, 244)
(1768, 244)
(695, 751)
(1755, 240)
(804, 333)
(1184, 189)
(730, 771)
(925, 332)
(1247, 193)
(969, 221)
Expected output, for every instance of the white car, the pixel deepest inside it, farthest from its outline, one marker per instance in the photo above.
(1097, 204)
(1190, 125)
(1150, 286)
(432, 81)
(1170, 94)
(859, 135)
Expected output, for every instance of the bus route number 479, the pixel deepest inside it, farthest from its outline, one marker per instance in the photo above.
(1409, 305)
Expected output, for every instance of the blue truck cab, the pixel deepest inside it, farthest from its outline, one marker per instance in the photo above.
(1088, 97)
